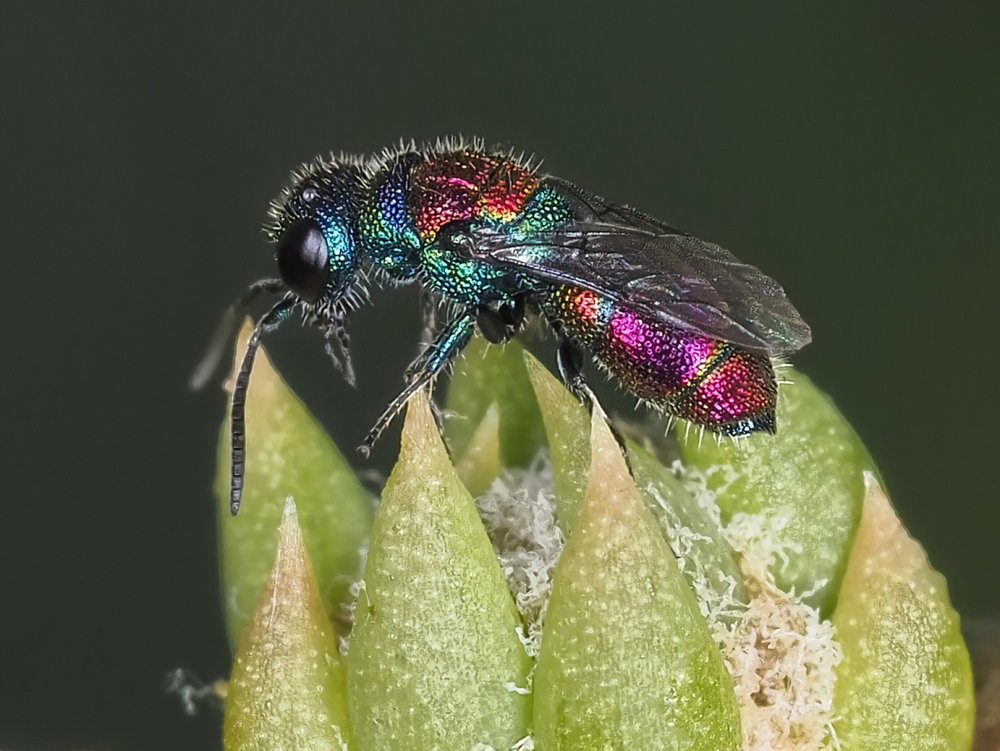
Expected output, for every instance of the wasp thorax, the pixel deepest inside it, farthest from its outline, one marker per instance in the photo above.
(303, 259)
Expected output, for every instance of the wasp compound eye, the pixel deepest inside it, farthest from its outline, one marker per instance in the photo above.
(303, 259)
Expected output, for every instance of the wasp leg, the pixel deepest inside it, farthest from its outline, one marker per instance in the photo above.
(435, 358)
(428, 312)
(237, 419)
(513, 312)
(492, 325)
(338, 347)
(569, 361)
(429, 307)
(226, 329)
(500, 323)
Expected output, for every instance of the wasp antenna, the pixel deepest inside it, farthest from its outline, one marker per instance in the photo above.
(237, 414)
(226, 329)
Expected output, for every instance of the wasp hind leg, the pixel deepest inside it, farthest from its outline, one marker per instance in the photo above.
(424, 369)
(569, 361)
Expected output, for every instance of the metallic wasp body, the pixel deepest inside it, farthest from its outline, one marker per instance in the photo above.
(680, 322)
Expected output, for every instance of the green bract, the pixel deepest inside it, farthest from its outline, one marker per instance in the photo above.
(626, 659)
(287, 686)
(549, 590)
(435, 659)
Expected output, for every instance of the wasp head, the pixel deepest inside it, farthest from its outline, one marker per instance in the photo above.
(313, 224)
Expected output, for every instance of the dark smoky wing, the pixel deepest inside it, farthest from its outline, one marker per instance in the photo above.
(685, 282)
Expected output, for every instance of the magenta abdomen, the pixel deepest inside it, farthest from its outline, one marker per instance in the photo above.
(707, 381)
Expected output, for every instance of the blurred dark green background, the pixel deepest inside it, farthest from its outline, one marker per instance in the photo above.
(850, 151)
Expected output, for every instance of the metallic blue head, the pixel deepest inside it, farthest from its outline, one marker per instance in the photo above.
(313, 222)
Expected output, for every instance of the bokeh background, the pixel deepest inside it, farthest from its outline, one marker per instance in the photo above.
(849, 149)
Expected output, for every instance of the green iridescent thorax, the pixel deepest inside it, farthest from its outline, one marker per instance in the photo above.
(386, 232)
(547, 211)
(474, 281)
(466, 280)
(415, 196)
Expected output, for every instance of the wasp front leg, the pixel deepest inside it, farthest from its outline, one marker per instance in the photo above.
(449, 343)
(338, 343)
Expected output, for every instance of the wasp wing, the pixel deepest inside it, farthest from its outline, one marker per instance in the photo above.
(685, 282)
